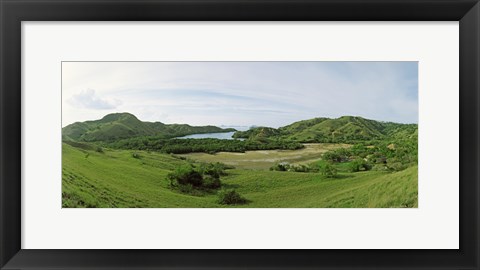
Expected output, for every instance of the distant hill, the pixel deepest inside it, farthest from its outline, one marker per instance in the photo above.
(118, 126)
(343, 129)
(125, 125)
(257, 133)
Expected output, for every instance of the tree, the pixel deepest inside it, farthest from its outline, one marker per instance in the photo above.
(185, 175)
(359, 165)
(230, 197)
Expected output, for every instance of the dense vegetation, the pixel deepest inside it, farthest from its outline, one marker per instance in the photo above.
(181, 146)
(117, 126)
(325, 168)
(393, 155)
(197, 179)
(230, 197)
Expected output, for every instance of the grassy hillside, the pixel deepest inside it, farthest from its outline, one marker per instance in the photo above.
(257, 133)
(125, 125)
(95, 177)
(344, 129)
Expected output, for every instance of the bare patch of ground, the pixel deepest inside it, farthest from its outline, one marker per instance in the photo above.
(264, 159)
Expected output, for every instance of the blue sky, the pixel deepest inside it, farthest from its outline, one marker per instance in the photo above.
(240, 93)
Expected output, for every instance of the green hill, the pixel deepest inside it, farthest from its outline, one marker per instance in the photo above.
(258, 133)
(343, 129)
(125, 125)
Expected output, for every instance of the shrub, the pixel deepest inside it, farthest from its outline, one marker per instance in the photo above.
(213, 169)
(329, 171)
(300, 168)
(185, 175)
(282, 167)
(379, 167)
(197, 180)
(211, 182)
(223, 166)
(230, 197)
(337, 156)
(359, 165)
(396, 166)
(186, 189)
(314, 167)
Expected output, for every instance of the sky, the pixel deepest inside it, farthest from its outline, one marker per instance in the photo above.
(270, 94)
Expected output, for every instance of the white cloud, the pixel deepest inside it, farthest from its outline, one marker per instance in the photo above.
(87, 99)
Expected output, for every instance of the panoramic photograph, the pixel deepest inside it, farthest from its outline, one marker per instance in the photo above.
(239, 134)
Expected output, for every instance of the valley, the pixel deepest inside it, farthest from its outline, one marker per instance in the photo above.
(264, 159)
(348, 162)
(117, 179)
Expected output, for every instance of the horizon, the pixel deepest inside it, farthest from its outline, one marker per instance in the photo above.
(269, 94)
(233, 125)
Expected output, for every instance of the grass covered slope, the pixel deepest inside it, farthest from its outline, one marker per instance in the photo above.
(119, 179)
(95, 177)
(300, 190)
(324, 130)
(125, 125)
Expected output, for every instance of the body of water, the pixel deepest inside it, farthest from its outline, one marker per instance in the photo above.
(222, 135)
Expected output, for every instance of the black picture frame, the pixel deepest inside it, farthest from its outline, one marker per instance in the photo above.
(13, 12)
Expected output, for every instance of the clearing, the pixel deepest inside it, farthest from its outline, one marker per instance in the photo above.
(264, 159)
